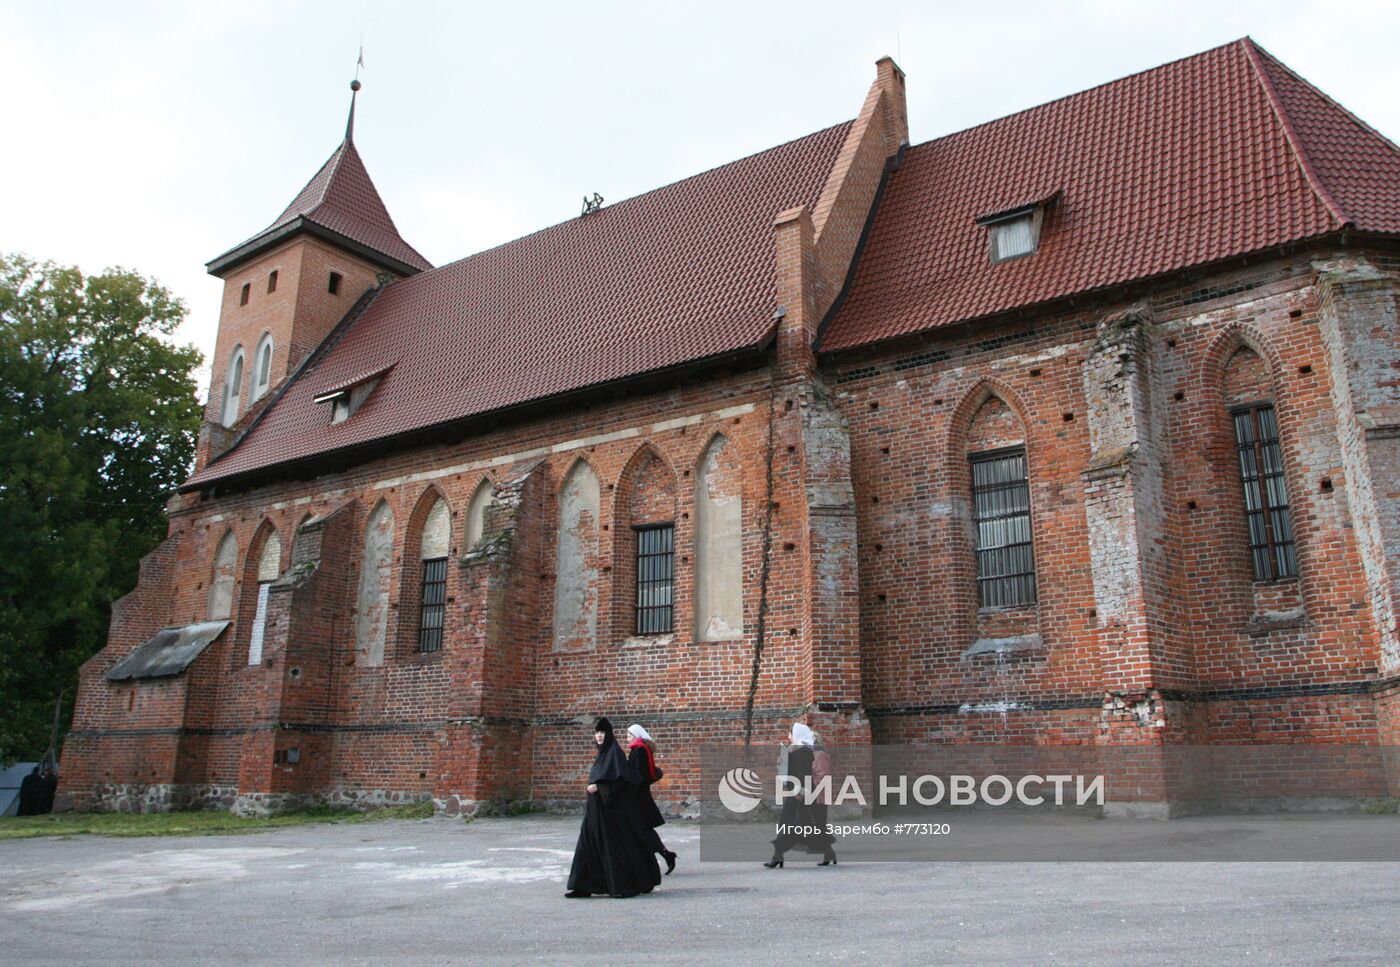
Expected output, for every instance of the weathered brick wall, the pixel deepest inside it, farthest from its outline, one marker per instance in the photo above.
(1227, 658)
(126, 735)
(870, 523)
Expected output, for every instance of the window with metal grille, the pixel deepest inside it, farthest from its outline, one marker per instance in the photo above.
(434, 604)
(1265, 499)
(656, 555)
(1002, 513)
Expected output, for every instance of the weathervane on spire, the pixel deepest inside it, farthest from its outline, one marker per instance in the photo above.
(355, 86)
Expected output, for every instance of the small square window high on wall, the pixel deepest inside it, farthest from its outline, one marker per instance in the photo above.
(333, 284)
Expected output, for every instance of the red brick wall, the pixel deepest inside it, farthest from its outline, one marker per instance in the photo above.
(501, 713)
(298, 315)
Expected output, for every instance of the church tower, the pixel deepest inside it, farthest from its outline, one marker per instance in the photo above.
(287, 287)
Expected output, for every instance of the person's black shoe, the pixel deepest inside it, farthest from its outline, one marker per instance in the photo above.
(670, 859)
(775, 863)
(577, 895)
(828, 858)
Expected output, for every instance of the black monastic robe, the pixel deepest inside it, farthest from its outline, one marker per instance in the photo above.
(614, 852)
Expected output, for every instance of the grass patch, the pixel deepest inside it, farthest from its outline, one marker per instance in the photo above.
(1382, 807)
(207, 823)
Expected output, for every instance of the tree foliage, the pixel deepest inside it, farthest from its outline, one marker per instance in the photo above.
(98, 418)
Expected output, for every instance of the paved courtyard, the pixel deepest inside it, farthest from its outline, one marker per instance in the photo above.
(439, 891)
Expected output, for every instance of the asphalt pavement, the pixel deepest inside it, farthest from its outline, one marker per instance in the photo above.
(440, 891)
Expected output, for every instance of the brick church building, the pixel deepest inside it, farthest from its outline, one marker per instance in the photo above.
(1080, 426)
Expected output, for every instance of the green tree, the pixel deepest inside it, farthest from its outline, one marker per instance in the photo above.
(98, 418)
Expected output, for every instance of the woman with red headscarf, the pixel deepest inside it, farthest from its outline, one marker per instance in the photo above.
(641, 752)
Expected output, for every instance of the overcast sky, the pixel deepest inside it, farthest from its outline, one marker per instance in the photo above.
(156, 135)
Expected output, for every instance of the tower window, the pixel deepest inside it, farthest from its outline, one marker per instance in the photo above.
(272, 281)
(1265, 499)
(434, 604)
(262, 375)
(1002, 513)
(243, 294)
(233, 387)
(333, 286)
(656, 556)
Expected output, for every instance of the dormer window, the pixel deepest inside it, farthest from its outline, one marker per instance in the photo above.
(347, 398)
(1015, 232)
(1013, 238)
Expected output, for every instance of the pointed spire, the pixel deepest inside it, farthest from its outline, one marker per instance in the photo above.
(355, 86)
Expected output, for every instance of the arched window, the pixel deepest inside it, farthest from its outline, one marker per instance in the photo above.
(269, 568)
(1001, 507)
(476, 513)
(576, 568)
(719, 543)
(262, 374)
(221, 586)
(644, 556)
(1250, 404)
(433, 552)
(233, 387)
(372, 608)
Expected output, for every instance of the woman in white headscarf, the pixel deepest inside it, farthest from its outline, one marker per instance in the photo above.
(641, 752)
(801, 823)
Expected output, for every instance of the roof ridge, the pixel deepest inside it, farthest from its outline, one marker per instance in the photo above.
(1073, 94)
(1253, 56)
(640, 195)
(333, 163)
(1350, 115)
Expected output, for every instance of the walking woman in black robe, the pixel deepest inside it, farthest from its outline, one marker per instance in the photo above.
(797, 813)
(613, 854)
(641, 752)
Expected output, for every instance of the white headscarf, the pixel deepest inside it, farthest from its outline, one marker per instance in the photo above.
(637, 732)
(801, 734)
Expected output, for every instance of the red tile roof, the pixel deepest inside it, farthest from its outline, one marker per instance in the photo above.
(1220, 154)
(673, 276)
(341, 199)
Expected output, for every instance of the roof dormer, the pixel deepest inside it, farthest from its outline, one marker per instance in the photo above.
(1014, 232)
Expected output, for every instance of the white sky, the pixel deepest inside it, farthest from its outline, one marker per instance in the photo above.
(156, 135)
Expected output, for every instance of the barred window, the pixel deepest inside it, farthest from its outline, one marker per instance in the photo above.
(1265, 499)
(1002, 513)
(434, 604)
(656, 554)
